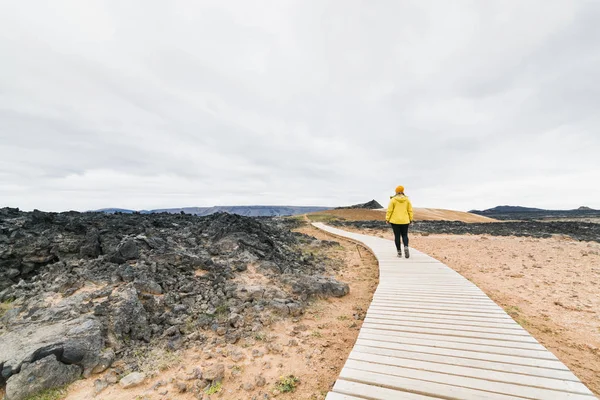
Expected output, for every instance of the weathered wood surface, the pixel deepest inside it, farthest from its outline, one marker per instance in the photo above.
(429, 333)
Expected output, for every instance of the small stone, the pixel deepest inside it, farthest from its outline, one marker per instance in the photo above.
(238, 356)
(106, 359)
(159, 384)
(235, 320)
(232, 337)
(13, 273)
(274, 348)
(248, 387)
(111, 377)
(260, 381)
(100, 385)
(300, 328)
(196, 374)
(181, 387)
(171, 331)
(131, 380)
(221, 331)
(257, 353)
(214, 373)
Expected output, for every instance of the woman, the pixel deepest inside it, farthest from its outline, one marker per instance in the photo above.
(400, 215)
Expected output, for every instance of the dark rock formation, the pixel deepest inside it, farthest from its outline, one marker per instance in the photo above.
(42, 374)
(528, 213)
(371, 205)
(585, 231)
(86, 289)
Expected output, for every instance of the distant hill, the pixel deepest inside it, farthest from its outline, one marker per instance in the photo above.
(115, 210)
(369, 205)
(247, 211)
(507, 209)
(520, 213)
(584, 208)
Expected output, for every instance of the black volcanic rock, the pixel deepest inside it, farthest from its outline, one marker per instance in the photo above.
(585, 231)
(83, 285)
(370, 205)
(527, 213)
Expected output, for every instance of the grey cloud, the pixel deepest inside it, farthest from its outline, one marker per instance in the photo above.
(147, 104)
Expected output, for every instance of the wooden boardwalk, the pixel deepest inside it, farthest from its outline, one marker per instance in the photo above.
(431, 334)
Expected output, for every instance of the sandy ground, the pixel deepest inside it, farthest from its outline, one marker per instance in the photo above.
(313, 347)
(550, 286)
(420, 214)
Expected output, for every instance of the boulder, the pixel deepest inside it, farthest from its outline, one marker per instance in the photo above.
(132, 380)
(78, 342)
(128, 316)
(40, 375)
(214, 373)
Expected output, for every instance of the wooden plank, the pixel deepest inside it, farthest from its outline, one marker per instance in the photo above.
(467, 382)
(456, 335)
(467, 354)
(435, 303)
(393, 330)
(442, 318)
(462, 359)
(449, 299)
(381, 292)
(374, 392)
(485, 341)
(340, 396)
(418, 307)
(449, 322)
(444, 314)
(468, 344)
(418, 386)
(462, 299)
(439, 301)
(417, 291)
(473, 327)
(472, 372)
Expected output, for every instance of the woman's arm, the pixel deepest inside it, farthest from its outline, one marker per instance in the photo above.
(389, 212)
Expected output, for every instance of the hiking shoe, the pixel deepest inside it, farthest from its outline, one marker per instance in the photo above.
(406, 253)
(400, 253)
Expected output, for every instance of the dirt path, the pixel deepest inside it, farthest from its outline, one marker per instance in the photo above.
(312, 347)
(550, 286)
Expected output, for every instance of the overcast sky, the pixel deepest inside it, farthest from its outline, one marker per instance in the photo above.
(153, 104)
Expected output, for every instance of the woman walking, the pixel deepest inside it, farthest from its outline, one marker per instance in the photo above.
(400, 215)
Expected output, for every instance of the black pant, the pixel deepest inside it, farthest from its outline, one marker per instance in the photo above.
(400, 230)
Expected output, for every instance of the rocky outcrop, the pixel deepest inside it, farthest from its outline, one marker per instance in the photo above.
(86, 289)
(42, 374)
(370, 205)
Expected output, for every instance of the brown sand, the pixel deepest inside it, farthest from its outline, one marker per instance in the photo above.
(313, 347)
(420, 214)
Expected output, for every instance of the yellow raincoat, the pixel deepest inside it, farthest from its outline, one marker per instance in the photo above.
(400, 210)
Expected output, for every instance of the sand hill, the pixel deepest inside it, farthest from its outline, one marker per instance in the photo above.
(421, 214)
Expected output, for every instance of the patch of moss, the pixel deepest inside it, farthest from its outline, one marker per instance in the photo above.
(287, 384)
(50, 394)
(214, 388)
(5, 306)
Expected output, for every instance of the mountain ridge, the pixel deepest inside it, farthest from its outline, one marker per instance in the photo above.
(247, 211)
(522, 213)
(508, 209)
